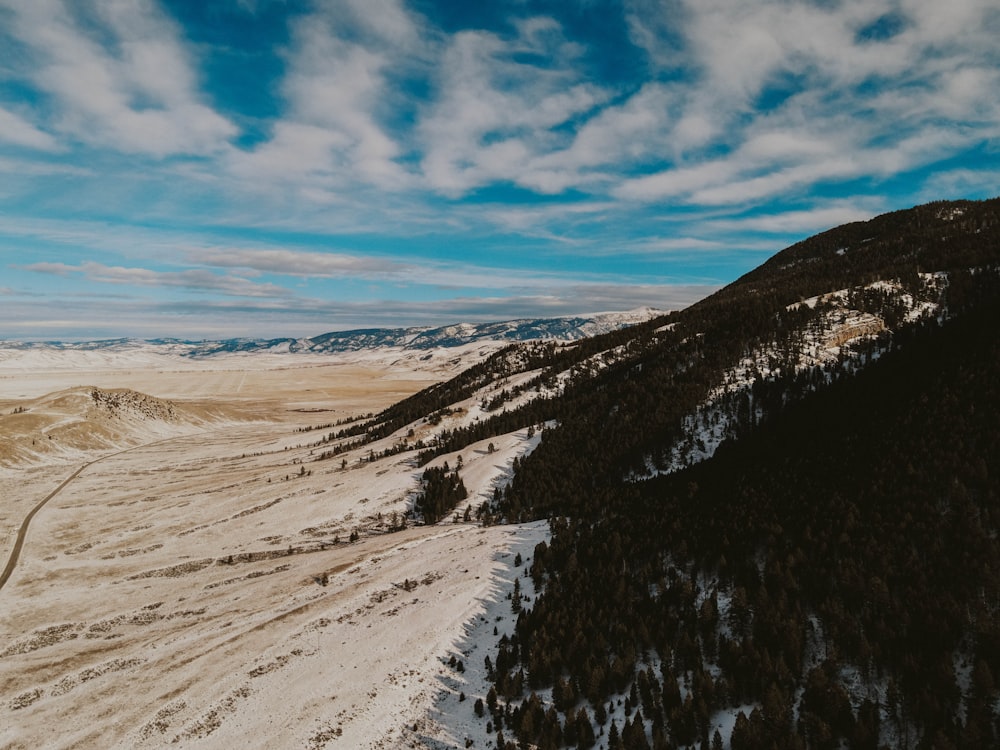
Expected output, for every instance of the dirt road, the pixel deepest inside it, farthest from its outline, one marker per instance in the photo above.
(22, 532)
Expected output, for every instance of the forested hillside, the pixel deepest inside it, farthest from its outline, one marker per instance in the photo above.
(621, 399)
(839, 569)
(834, 573)
(778, 505)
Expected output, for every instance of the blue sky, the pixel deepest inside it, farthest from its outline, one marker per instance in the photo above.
(213, 168)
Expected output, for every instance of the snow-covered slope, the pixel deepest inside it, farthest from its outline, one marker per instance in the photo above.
(207, 580)
(850, 328)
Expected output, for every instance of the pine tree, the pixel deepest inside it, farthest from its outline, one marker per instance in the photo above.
(614, 739)
(584, 730)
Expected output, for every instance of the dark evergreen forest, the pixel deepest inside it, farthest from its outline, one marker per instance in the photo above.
(442, 490)
(857, 530)
(847, 540)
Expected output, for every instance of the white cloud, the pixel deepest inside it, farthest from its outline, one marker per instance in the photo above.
(654, 26)
(16, 130)
(119, 76)
(841, 106)
(776, 182)
(300, 263)
(143, 246)
(796, 222)
(678, 181)
(495, 115)
(961, 183)
(337, 85)
(26, 168)
(340, 94)
(54, 269)
(194, 279)
(610, 142)
(534, 218)
(298, 152)
(390, 21)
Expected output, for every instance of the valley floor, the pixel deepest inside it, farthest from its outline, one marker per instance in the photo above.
(198, 587)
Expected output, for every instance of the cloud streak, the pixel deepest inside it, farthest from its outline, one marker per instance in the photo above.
(196, 280)
(298, 263)
(18, 131)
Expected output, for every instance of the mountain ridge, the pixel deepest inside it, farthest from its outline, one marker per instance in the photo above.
(569, 328)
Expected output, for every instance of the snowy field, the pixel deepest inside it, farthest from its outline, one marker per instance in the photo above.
(204, 581)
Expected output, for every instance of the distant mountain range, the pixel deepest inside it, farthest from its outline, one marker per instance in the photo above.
(417, 338)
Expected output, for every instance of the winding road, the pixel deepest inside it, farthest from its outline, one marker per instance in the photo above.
(22, 532)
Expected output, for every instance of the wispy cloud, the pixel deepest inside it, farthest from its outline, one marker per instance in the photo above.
(18, 131)
(423, 272)
(300, 263)
(496, 114)
(53, 269)
(341, 61)
(961, 181)
(545, 220)
(118, 76)
(786, 222)
(796, 96)
(36, 168)
(318, 316)
(190, 279)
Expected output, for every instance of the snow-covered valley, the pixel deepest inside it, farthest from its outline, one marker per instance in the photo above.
(206, 581)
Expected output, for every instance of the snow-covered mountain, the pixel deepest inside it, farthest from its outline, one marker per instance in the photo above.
(416, 338)
(525, 329)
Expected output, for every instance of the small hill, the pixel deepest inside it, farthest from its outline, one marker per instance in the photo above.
(74, 424)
